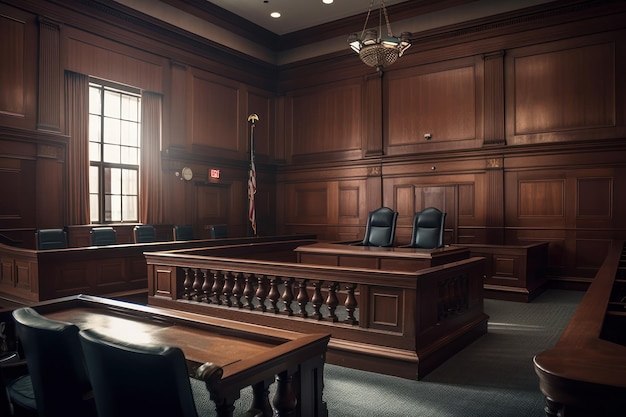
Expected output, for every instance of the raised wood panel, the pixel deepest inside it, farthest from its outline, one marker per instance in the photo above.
(386, 309)
(594, 198)
(443, 101)
(12, 79)
(350, 202)
(326, 119)
(590, 253)
(214, 113)
(566, 90)
(467, 197)
(541, 198)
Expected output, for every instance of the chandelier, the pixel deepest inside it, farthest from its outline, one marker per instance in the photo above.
(379, 51)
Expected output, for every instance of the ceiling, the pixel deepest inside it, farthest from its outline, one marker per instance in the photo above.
(297, 14)
(309, 28)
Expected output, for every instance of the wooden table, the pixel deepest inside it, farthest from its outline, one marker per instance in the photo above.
(373, 257)
(248, 355)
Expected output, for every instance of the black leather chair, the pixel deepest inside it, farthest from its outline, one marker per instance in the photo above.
(428, 228)
(51, 239)
(132, 380)
(17, 398)
(218, 231)
(103, 236)
(381, 228)
(55, 364)
(183, 232)
(144, 233)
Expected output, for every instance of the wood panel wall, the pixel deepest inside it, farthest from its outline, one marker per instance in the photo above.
(515, 125)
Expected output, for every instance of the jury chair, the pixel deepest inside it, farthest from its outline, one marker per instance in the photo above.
(103, 236)
(218, 231)
(380, 229)
(17, 398)
(55, 364)
(132, 380)
(428, 228)
(183, 232)
(51, 239)
(144, 233)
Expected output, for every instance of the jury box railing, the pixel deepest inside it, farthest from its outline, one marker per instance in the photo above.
(414, 320)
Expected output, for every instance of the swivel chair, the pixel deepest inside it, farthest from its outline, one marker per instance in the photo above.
(55, 364)
(428, 228)
(380, 229)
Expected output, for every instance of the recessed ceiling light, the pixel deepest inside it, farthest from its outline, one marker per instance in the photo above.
(327, 1)
(275, 15)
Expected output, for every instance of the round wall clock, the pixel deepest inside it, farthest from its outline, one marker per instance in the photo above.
(187, 173)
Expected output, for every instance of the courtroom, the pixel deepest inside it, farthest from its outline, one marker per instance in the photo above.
(312, 208)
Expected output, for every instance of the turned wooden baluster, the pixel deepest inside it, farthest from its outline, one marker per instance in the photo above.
(216, 289)
(288, 296)
(248, 291)
(274, 294)
(260, 398)
(206, 285)
(261, 292)
(227, 290)
(317, 300)
(332, 302)
(197, 285)
(303, 298)
(351, 305)
(187, 284)
(238, 290)
(285, 399)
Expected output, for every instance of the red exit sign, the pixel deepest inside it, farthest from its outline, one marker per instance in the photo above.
(214, 174)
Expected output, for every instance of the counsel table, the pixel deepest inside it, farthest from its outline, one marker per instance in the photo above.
(373, 257)
(246, 355)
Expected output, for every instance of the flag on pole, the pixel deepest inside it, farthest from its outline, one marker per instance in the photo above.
(252, 176)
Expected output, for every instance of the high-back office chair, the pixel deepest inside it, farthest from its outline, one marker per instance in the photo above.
(103, 236)
(144, 233)
(16, 388)
(218, 231)
(51, 239)
(132, 380)
(55, 364)
(183, 232)
(381, 228)
(428, 228)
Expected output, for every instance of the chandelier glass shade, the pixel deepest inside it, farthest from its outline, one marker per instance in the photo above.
(379, 51)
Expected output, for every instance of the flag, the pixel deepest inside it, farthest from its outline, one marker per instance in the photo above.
(251, 193)
(252, 176)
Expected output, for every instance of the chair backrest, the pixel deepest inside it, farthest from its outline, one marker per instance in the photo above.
(428, 228)
(102, 236)
(218, 231)
(55, 363)
(183, 232)
(132, 380)
(51, 239)
(144, 233)
(381, 227)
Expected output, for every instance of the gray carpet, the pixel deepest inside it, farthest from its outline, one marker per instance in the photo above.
(493, 377)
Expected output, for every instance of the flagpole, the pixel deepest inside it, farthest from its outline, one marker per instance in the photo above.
(252, 119)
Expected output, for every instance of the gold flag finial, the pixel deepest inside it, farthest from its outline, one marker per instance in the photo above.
(253, 118)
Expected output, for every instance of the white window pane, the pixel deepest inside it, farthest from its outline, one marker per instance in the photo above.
(94, 151)
(130, 134)
(113, 208)
(130, 110)
(129, 182)
(129, 204)
(94, 209)
(129, 155)
(94, 183)
(111, 154)
(112, 104)
(111, 130)
(94, 100)
(116, 181)
(94, 128)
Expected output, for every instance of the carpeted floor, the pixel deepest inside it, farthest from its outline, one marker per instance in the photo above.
(493, 377)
